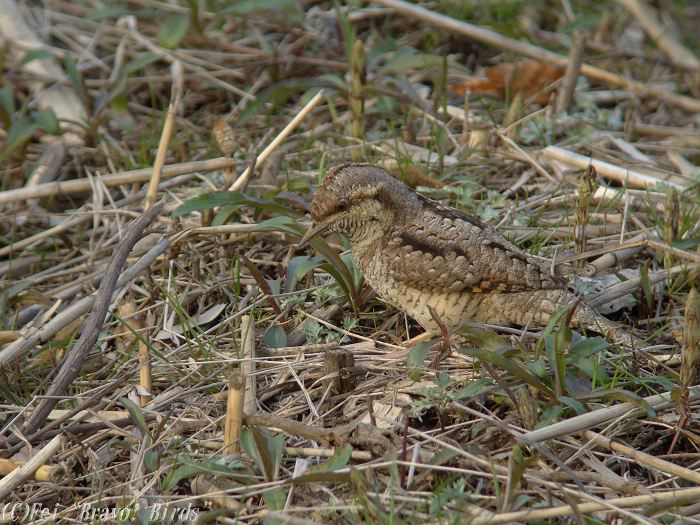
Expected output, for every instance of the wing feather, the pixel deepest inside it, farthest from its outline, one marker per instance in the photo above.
(450, 250)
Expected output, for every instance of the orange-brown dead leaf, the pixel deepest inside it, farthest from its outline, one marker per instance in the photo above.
(414, 176)
(7, 336)
(529, 77)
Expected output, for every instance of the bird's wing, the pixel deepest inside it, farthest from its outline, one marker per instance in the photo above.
(446, 249)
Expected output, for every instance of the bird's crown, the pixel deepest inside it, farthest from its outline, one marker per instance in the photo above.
(349, 185)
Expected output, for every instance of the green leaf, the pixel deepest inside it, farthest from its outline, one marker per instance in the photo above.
(557, 362)
(136, 414)
(276, 447)
(262, 283)
(150, 460)
(46, 118)
(553, 323)
(591, 369)
(233, 199)
(443, 381)
(19, 134)
(573, 403)
(646, 287)
(538, 367)
(321, 477)
(245, 7)
(14, 290)
(484, 338)
(279, 94)
(333, 272)
(306, 97)
(275, 337)
(297, 268)
(372, 504)
(36, 54)
(110, 11)
(117, 93)
(281, 223)
(686, 244)
(474, 388)
(549, 416)
(407, 58)
(275, 285)
(118, 87)
(189, 467)
(121, 117)
(224, 214)
(515, 368)
(587, 347)
(347, 30)
(76, 77)
(174, 476)
(564, 334)
(274, 499)
(7, 106)
(622, 395)
(376, 53)
(312, 331)
(349, 261)
(521, 500)
(339, 270)
(173, 30)
(581, 356)
(266, 450)
(335, 81)
(196, 8)
(340, 459)
(415, 359)
(140, 63)
(441, 457)
(248, 443)
(294, 200)
(345, 281)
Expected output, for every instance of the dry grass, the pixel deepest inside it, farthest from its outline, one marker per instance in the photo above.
(340, 422)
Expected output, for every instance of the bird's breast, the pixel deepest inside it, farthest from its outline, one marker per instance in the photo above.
(452, 308)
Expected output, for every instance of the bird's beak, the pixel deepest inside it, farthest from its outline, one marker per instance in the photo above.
(312, 231)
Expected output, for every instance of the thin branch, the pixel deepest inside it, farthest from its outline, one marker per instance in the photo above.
(91, 329)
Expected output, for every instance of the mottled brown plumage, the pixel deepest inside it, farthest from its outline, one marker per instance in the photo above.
(416, 253)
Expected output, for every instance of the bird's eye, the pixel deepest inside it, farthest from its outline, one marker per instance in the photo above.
(342, 205)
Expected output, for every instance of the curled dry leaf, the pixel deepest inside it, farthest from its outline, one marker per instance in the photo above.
(387, 415)
(527, 77)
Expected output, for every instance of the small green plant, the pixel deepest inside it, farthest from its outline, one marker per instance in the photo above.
(568, 371)
(21, 123)
(444, 392)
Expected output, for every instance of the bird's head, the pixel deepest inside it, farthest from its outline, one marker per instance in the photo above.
(357, 200)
